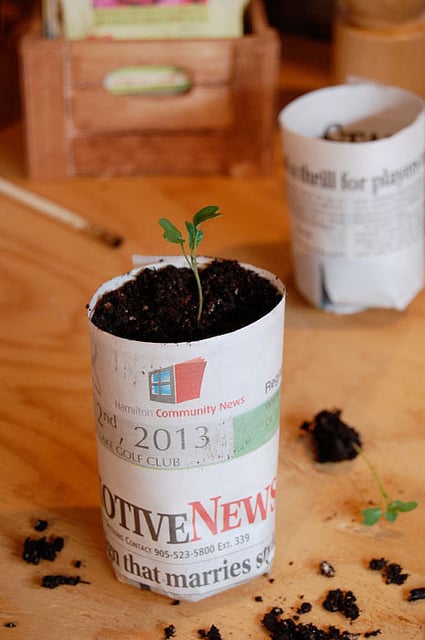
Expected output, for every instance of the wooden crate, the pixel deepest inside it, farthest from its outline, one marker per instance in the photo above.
(224, 124)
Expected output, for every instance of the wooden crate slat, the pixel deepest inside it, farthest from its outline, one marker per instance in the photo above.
(200, 108)
(224, 124)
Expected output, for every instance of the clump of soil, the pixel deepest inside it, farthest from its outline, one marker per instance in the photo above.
(342, 601)
(392, 574)
(41, 525)
(41, 549)
(37, 549)
(326, 569)
(287, 629)
(212, 634)
(56, 580)
(391, 571)
(377, 564)
(161, 305)
(169, 631)
(416, 594)
(333, 438)
(305, 607)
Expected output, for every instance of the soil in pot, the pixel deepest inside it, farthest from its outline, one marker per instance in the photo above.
(160, 305)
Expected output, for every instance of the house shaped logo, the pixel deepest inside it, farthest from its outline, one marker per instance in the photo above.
(178, 382)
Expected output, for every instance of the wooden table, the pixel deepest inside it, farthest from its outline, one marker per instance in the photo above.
(370, 365)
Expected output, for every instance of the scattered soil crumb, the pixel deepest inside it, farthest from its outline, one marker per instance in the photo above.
(327, 569)
(377, 564)
(392, 574)
(416, 594)
(333, 438)
(41, 525)
(342, 601)
(41, 549)
(170, 631)
(212, 634)
(53, 581)
(373, 634)
(391, 571)
(306, 607)
(288, 629)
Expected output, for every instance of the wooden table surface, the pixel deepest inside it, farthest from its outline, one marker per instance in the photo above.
(370, 365)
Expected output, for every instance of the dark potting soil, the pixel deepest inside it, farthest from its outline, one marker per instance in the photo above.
(343, 601)
(332, 437)
(56, 580)
(41, 525)
(169, 631)
(392, 572)
(377, 564)
(162, 305)
(288, 629)
(36, 549)
(416, 594)
(212, 634)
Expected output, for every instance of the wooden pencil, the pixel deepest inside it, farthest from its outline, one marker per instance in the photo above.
(69, 218)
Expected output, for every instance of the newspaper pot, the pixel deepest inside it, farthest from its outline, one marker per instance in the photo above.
(356, 208)
(187, 451)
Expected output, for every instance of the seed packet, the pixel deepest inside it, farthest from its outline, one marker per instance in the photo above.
(145, 19)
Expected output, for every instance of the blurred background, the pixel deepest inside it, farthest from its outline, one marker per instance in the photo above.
(310, 19)
(307, 18)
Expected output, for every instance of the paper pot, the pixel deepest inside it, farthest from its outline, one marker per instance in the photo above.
(356, 208)
(187, 439)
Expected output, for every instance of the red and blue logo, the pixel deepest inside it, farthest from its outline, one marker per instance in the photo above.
(178, 382)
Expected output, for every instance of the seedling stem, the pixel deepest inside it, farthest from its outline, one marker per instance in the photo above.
(194, 238)
(393, 507)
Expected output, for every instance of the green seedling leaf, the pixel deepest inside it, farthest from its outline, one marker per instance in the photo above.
(371, 515)
(199, 237)
(393, 507)
(391, 514)
(397, 506)
(403, 506)
(171, 233)
(206, 213)
(191, 232)
(194, 237)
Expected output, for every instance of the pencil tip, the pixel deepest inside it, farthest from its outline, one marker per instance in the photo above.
(108, 238)
(116, 241)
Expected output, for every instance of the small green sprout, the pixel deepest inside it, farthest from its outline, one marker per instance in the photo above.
(195, 235)
(392, 507)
